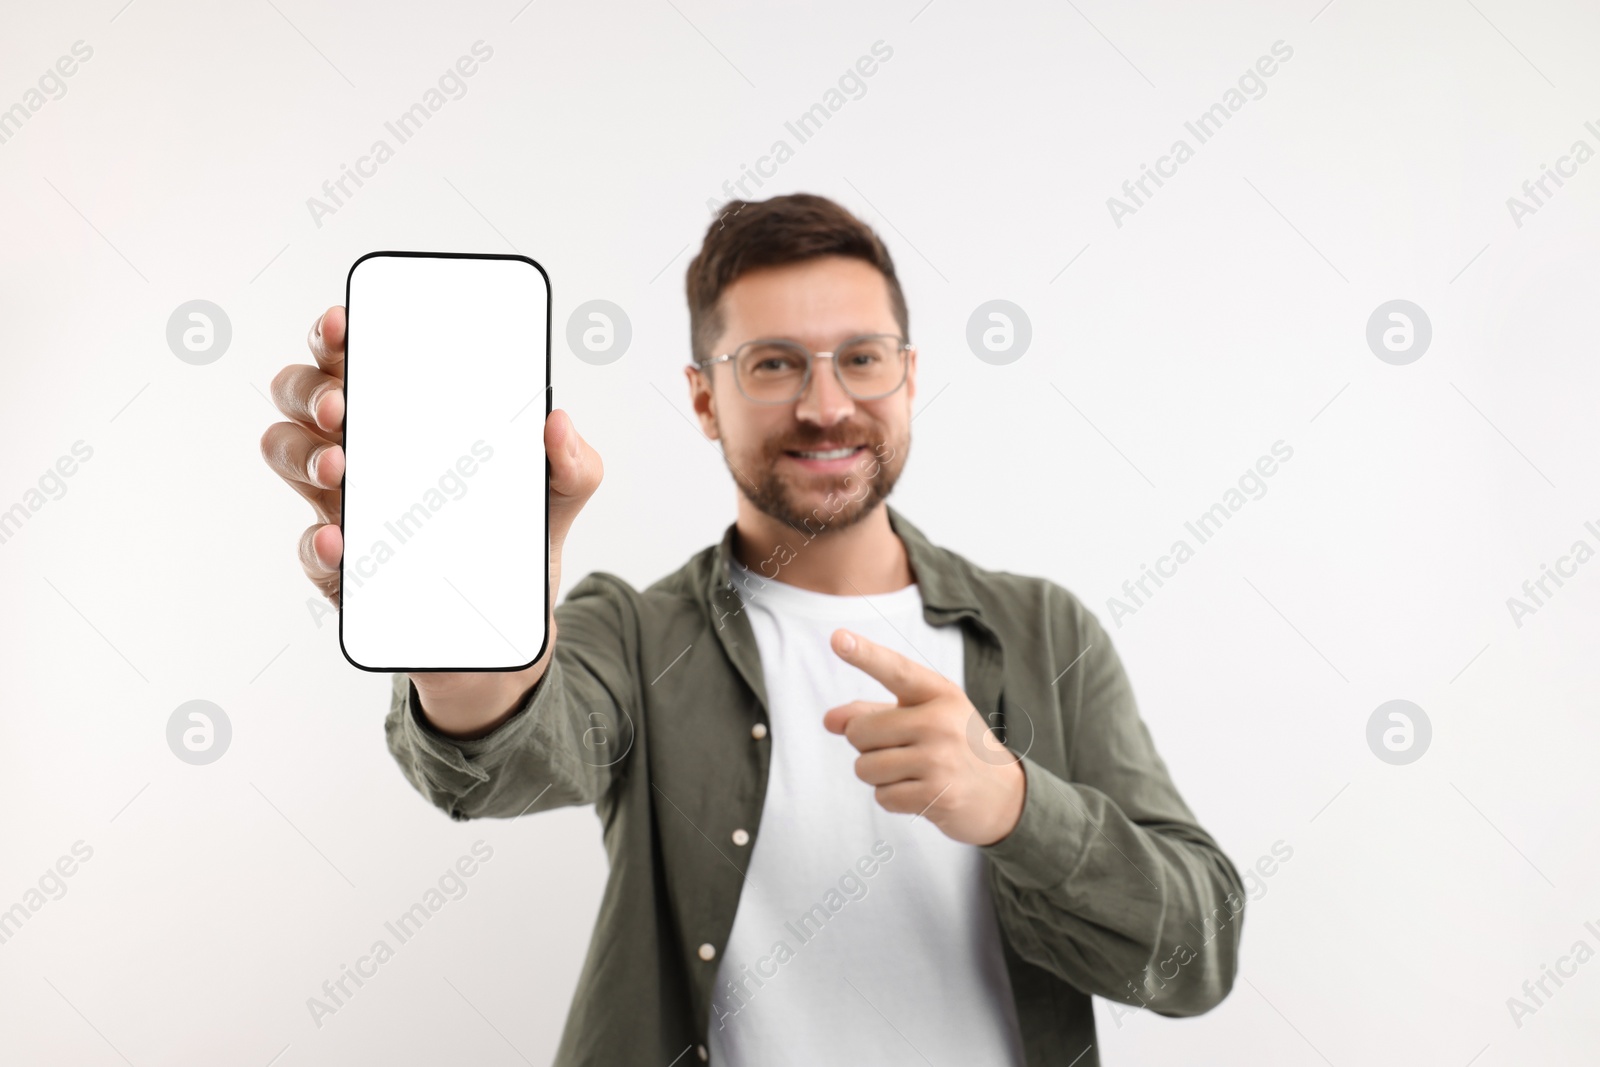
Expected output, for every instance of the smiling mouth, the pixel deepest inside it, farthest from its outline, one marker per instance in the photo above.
(843, 452)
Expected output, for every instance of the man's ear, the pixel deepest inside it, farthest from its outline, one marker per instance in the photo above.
(702, 399)
(911, 374)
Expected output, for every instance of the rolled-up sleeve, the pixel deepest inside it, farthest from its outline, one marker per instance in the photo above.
(567, 742)
(1107, 880)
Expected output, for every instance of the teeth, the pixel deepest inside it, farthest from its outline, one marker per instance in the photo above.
(837, 453)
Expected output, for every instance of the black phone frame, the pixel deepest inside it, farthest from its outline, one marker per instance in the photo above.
(549, 406)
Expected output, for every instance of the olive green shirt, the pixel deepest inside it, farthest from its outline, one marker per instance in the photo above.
(653, 709)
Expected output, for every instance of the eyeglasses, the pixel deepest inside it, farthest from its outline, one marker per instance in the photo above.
(771, 370)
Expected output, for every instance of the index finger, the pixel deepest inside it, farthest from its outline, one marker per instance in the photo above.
(909, 681)
(326, 341)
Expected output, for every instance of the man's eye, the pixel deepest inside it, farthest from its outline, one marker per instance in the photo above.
(861, 356)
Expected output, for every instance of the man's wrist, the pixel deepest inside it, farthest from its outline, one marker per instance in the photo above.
(1015, 798)
(457, 714)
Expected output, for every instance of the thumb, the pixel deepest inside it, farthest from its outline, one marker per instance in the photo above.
(838, 719)
(575, 473)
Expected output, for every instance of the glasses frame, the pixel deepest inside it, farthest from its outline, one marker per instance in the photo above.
(902, 349)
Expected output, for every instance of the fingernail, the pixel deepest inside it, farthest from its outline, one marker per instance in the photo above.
(311, 465)
(848, 641)
(319, 323)
(572, 445)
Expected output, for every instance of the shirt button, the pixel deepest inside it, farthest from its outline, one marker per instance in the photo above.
(758, 731)
(708, 951)
(701, 1051)
(740, 837)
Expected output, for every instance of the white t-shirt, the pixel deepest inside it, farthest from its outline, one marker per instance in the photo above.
(862, 935)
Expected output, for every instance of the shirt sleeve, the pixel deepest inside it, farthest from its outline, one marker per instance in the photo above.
(569, 740)
(1107, 880)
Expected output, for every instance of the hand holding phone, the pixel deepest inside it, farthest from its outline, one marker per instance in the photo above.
(307, 453)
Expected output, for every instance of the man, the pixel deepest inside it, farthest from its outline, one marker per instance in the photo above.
(863, 800)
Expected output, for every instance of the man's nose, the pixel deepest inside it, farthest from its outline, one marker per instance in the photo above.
(824, 401)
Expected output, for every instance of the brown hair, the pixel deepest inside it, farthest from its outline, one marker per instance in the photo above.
(768, 233)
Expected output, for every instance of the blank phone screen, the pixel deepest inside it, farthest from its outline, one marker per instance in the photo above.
(446, 488)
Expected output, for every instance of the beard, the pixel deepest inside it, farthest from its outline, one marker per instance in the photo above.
(816, 501)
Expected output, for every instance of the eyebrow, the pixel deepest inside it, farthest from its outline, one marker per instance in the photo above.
(852, 335)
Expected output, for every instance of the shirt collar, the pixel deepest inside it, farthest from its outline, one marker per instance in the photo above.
(941, 575)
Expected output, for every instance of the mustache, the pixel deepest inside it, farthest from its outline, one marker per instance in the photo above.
(821, 440)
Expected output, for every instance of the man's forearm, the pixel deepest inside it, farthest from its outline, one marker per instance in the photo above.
(528, 763)
(518, 743)
(1144, 914)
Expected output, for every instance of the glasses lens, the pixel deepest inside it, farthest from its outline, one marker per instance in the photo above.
(771, 370)
(871, 366)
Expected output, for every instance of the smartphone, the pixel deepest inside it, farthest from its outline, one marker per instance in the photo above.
(446, 505)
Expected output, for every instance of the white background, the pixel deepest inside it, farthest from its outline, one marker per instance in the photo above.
(1227, 314)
